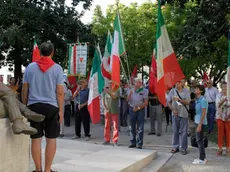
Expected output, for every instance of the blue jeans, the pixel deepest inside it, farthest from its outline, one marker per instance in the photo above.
(211, 116)
(137, 118)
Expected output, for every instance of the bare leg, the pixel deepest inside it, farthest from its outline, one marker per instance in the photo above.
(50, 153)
(37, 153)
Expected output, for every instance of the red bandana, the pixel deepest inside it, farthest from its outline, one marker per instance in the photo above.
(45, 63)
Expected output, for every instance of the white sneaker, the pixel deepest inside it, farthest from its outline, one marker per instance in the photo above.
(75, 137)
(199, 162)
(196, 159)
(87, 138)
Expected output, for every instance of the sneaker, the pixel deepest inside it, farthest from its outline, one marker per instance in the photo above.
(199, 162)
(105, 143)
(87, 138)
(151, 133)
(139, 147)
(183, 152)
(158, 135)
(75, 137)
(132, 146)
(196, 159)
(61, 135)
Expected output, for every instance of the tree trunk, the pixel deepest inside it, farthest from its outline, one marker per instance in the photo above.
(17, 64)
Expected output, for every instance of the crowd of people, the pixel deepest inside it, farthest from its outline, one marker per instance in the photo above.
(45, 91)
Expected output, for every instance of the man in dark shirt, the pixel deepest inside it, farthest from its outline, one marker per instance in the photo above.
(82, 114)
(155, 115)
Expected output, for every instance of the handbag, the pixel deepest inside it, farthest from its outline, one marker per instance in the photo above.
(194, 142)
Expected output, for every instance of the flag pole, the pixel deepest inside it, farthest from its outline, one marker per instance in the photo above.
(125, 55)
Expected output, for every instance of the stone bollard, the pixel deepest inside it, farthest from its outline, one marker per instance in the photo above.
(14, 149)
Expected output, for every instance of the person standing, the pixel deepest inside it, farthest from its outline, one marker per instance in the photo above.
(223, 120)
(13, 85)
(178, 103)
(110, 101)
(43, 92)
(200, 123)
(168, 111)
(211, 94)
(155, 114)
(192, 108)
(123, 105)
(68, 98)
(138, 100)
(82, 114)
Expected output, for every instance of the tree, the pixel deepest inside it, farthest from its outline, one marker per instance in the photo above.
(139, 27)
(47, 20)
(204, 39)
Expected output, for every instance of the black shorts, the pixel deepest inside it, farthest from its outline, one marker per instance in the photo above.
(50, 126)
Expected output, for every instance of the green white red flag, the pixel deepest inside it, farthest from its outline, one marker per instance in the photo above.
(36, 53)
(96, 85)
(105, 67)
(228, 70)
(118, 48)
(168, 69)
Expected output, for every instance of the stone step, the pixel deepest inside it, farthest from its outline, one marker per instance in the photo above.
(78, 156)
(156, 165)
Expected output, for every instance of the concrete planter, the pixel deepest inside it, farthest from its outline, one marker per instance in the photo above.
(14, 149)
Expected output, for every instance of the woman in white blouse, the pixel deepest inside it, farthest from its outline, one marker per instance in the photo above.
(223, 119)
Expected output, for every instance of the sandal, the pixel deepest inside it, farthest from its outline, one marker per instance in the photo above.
(174, 151)
(228, 153)
(219, 152)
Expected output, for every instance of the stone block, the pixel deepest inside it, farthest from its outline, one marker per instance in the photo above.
(14, 149)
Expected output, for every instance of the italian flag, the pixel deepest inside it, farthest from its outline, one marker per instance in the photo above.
(106, 58)
(96, 85)
(72, 68)
(36, 53)
(168, 69)
(228, 70)
(118, 48)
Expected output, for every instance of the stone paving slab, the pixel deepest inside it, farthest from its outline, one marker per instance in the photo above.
(158, 162)
(74, 156)
(177, 163)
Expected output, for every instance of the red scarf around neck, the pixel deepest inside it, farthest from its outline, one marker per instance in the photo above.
(45, 63)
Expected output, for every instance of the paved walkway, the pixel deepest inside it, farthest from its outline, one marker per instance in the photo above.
(178, 162)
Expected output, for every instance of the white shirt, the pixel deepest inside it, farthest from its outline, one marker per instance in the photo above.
(211, 94)
(68, 95)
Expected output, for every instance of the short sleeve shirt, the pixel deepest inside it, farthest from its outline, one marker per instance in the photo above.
(211, 94)
(138, 97)
(201, 103)
(83, 96)
(224, 109)
(42, 85)
(185, 95)
(110, 103)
